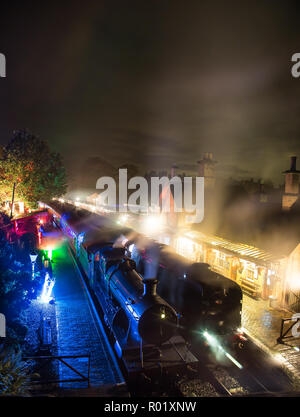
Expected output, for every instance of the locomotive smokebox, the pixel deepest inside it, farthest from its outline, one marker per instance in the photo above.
(159, 320)
(150, 286)
(149, 317)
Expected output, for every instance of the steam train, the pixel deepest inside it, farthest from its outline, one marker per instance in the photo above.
(204, 299)
(124, 268)
(142, 325)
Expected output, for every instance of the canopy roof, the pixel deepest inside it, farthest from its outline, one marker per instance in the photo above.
(239, 249)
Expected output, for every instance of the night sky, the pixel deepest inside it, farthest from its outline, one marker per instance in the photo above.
(155, 82)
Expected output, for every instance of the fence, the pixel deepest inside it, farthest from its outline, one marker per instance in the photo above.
(44, 360)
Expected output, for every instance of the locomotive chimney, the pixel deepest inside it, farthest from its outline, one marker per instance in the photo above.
(291, 190)
(150, 285)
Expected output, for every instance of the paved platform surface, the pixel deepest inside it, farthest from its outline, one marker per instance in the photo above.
(78, 330)
(119, 390)
(263, 322)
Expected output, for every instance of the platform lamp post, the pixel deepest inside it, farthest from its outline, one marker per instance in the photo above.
(33, 258)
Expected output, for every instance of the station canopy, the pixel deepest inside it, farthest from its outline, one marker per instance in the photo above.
(252, 253)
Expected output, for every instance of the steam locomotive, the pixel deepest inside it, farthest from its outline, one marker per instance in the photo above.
(133, 309)
(204, 299)
(124, 268)
(142, 325)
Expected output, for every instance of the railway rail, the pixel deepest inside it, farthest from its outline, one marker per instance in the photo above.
(215, 379)
(166, 385)
(227, 382)
(101, 263)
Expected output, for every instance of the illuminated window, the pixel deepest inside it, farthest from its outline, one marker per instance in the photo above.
(250, 274)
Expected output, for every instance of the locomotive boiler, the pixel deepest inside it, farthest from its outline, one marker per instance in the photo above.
(134, 311)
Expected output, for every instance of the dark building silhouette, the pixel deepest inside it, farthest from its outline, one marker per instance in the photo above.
(291, 190)
(206, 169)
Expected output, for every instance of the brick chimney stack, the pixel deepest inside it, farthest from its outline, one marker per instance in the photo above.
(206, 169)
(293, 163)
(291, 189)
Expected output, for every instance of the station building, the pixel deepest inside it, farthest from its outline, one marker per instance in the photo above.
(258, 272)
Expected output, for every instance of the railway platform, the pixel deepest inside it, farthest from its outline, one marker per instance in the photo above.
(78, 329)
(263, 323)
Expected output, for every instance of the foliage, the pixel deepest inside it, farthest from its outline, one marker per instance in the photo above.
(14, 374)
(17, 288)
(4, 220)
(37, 171)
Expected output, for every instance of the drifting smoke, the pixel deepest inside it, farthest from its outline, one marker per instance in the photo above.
(151, 267)
(236, 212)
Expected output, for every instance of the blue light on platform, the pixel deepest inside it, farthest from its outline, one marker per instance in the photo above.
(47, 288)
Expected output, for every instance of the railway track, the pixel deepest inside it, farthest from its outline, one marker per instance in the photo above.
(165, 386)
(218, 380)
(210, 379)
(213, 380)
(232, 384)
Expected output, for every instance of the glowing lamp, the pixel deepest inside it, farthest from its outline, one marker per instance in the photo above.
(49, 252)
(152, 224)
(213, 342)
(294, 280)
(123, 219)
(33, 257)
(47, 289)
